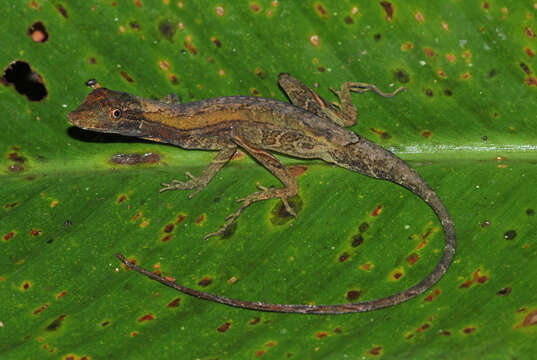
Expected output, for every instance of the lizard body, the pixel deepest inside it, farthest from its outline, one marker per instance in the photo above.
(311, 128)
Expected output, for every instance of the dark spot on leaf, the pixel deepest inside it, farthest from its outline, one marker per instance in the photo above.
(255, 7)
(338, 330)
(321, 334)
(397, 275)
(343, 257)
(37, 32)
(505, 291)
(53, 326)
(525, 68)
(254, 321)
(423, 327)
(321, 10)
(383, 134)
(134, 26)
(200, 219)
(206, 281)
(67, 223)
(224, 327)
(377, 350)
(353, 295)
(62, 11)
(321, 69)
(377, 37)
(180, 218)
(191, 48)
(217, 42)
(146, 317)
(121, 198)
(357, 241)
(126, 76)
(348, 20)
(134, 333)
(432, 295)
(388, 8)
(402, 76)
(363, 227)
(166, 238)
(174, 303)
(10, 205)
(412, 259)
(530, 212)
(9, 236)
(426, 134)
(530, 319)
(486, 5)
(468, 330)
(35, 232)
(492, 73)
(529, 32)
(376, 211)
(61, 294)
(279, 214)
(105, 323)
(510, 235)
(448, 92)
(41, 308)
(466, 284)
(169, 228)
(26, 285)
(529, 52)
(446, 333)
(429, 92)
(49, 241)
(167, 29)
(26, 81)
(531, 81)
(92, 61)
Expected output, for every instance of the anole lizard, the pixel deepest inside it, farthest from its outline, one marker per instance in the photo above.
(310, 128)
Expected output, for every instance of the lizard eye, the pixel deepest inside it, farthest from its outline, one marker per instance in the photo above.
(115, 113)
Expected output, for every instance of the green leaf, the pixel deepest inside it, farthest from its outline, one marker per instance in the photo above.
(466, 125)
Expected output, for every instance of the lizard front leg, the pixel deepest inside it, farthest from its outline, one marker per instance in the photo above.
(210, 171)
(271, 163)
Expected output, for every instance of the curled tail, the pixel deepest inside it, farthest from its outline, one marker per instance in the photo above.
(370, 159)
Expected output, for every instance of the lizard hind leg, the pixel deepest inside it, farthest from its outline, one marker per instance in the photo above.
(271, 163)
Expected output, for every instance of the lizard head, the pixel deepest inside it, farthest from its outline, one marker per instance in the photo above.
(108, 111)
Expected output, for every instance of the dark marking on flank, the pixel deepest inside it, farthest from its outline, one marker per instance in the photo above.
(135, 158)
(388, 8)
(321, 11)
(297, 170)
(62, 11)
(224, 327)
(26, 81)
(509, 235)
(525, 68)
(505, 291)
(167, 29)
(8, 236)
(37, 32)
(174, 303)
(53, 326)
(206, 281)
(402, 76)
(126, 76)
(353, 295)
(530, 212)
(357, 241)
(147, 317)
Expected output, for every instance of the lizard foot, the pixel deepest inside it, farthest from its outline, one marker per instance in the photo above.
(193, 183)
(264, 194)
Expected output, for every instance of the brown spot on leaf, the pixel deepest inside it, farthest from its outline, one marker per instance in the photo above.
(397, 275)
(388, 8)
(41, 308)
(377, 211)
(465, 76)
(35, 232)
(423, 327)
(259, 353)
(133, 333)
(479, 278)
(377, 350)
(37, 32)
(180, 218)
(200, 219)
(485, 5)
(254, 321)
(509, 235)
(174, 303)
(224, 327)
(255, 7)
(166, 238)
(62, 11)
(468, 330)
(191, 48)
(53, 326)
(343, 257)
(61, 294)
(419, 17)
(321, 334)
(136, 216)
(138, 3)
(216, 41)
(529, 32)
(353, 295)
(121, 198)
(8, 236)
(407, 46)
(357, 241)
(147, 317)
(105, 323)
(167, 29)
(466, 284)
(432, 295)
(531, 81)
(321, 11)
(505, 291)
(34, 5)
(429, 52)
(367, 266)
(26, 285)
(525, 68)
(529, 52)
(383, 134)
(206, 281)
(412, 259)
(169, 228)
(126, 76)
(530, 319)
(314, 40)
(348, 20)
